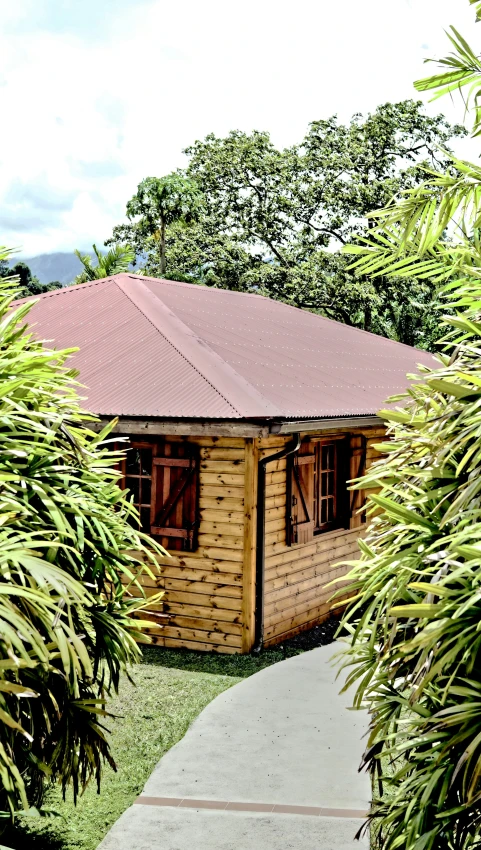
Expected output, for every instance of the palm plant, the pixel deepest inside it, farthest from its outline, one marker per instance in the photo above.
(68, 574)
(415, 613)
(118, 259)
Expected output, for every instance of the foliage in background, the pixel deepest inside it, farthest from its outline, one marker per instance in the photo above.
(159, 202)
(415, 647)
(115, 261)
(27, 284)
(272, 221)
(66, 530)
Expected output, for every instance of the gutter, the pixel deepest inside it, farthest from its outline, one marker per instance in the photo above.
(294, 427)
(290, 449)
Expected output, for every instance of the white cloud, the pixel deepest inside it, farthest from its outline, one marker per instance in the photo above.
(86, 118)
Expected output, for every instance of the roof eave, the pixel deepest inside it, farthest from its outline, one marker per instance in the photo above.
(325, 424)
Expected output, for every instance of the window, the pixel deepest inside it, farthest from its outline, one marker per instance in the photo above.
(317, 498)
(138, 480)
(163, 481)
(325, 486)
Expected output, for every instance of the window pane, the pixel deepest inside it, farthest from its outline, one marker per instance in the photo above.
(146, 488)
(330, 510)
(324, 456)
(330, 457)
(323, 511)
(146, 461)
(324, 484)
(330, 483)
(133, 485)
(133, 462)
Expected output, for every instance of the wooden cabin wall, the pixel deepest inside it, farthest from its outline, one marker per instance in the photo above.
(208, 595)
(295, 596)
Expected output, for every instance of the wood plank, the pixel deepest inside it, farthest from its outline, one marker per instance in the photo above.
(227, 540)
(205, 624)
(275, 524)
(219, 453)
(275, 537)
(276, 465)
(275, 478)
(198, 561)
(288, 628)
(299, 602)
(278, 512)
(204, 612)
(219, 554)
(317, 561)
(226, 529)
(173, 643)
(202, 575)
(201, 587)
(276, 490)
(231, 479)
(219, 442)
(273, 442)
(249, 546)
(219, 515)
(220, 491)
(212, 503)
(215, 601)
(210, 637)
(184, 428)
(276, 501)
(292, 590)
(219, 467)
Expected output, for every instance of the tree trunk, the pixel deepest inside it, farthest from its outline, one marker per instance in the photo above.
(163, 262)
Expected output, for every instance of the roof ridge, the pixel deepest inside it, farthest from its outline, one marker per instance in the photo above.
(202, 286)
(198, 353)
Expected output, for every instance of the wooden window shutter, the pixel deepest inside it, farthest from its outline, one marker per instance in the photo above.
(300, 496)
(174, 514)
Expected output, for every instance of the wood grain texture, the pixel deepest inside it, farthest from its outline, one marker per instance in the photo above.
(296, 577)
(249, 546)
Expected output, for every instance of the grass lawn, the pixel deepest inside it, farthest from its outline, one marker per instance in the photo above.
(172, 687)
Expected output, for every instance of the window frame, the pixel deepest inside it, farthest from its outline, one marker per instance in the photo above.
(340, 494)
(183, 537)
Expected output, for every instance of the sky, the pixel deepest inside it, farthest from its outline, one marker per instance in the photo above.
(98, 94)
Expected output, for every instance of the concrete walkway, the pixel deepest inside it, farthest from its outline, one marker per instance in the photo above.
(270, 764)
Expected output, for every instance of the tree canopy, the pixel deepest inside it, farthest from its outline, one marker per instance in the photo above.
(273, 221)
(26, 282)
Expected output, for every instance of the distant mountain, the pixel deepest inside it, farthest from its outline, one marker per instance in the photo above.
(60, 266)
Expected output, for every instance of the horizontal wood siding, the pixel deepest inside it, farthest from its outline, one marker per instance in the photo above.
(203, 590)
(296, 577)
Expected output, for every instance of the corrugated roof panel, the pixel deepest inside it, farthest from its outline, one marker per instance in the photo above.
(154, 348)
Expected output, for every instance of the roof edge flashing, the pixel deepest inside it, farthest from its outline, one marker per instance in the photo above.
(293, 427)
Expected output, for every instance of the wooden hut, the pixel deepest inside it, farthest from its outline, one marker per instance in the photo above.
(245, 420)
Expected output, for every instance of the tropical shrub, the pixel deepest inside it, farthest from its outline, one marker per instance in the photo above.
(66, 534)
(117, 260)
(415, 614)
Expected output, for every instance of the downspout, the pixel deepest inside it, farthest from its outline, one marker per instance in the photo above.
(290, 449)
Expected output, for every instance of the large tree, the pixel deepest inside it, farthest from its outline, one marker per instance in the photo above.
(172, 200)
(414, 622)
(273, 221)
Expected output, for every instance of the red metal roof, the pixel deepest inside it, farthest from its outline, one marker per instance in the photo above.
(159, 348)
